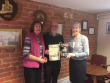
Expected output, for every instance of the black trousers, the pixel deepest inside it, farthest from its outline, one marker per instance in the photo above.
(77, 70)
(51, 70)
(32, 75)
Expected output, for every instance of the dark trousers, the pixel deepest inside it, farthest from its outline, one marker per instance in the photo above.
(51, 71)
(32, 75)
(77, 70)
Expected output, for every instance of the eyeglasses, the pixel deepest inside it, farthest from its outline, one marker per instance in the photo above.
(54, 26)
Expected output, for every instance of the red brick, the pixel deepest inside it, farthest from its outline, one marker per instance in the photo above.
(15, 54)
(33, 6)
(19, 50)
(44, 8)
(58, 14)
(20, 58)
(4, 65)
(25, 14)
(4, 25)
(9, 69)
(3, 56)
(17, 72)
(47, 29)
(23, 23)
(29, 19)
(53, 10)
(55, 18)
(1, 70)
(49, 13)
(5, 74)
(1, 80)
(21, 4)
(18, 17)
(0, 61)
(20, 8)
(4, 51)
(28, 10)
(10, 78)
(20, 67)
(9, 22)
(21, 76)
(18, 80)
(16, 63)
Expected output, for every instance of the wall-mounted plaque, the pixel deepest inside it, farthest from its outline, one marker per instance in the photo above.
(40, 16)
(8, 9)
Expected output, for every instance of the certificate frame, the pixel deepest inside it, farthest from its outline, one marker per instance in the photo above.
(91, 31)
(84, 25)
(54, 52)
(60, 27)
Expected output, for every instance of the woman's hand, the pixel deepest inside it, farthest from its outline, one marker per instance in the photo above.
(47, 52)
(71, 55)
(43, 60)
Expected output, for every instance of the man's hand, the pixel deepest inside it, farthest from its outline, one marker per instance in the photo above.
(47, 52)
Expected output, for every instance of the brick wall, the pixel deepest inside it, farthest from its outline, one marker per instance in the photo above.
(11, 69)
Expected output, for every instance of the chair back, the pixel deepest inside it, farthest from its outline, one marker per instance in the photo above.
(98, 60)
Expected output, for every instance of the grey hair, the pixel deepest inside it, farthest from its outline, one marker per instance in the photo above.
(77, 23)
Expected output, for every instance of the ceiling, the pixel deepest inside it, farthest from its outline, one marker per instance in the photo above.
(92, 6)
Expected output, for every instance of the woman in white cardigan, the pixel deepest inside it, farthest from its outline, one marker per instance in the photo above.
(79, 50)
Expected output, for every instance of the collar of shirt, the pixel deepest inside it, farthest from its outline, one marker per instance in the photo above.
(52, 35)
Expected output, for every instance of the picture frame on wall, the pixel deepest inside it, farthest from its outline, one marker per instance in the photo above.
(84, 25)
(10, 38)
(108, 28)
(91, 31)
(60, 28)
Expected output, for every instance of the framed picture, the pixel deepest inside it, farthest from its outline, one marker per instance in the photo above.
(10, 38)
(60, 27)
(91, 31)
(40, 16)
(84, 25)
(108, 27)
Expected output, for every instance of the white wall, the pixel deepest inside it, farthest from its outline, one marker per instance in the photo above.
(103, 41)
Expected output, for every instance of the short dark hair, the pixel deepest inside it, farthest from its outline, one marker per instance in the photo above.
(33, 24)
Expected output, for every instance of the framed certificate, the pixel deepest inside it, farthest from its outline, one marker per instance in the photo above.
(84, 25)
(54, 52)
(91, 31)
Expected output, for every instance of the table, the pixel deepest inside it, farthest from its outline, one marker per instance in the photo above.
(96, 71)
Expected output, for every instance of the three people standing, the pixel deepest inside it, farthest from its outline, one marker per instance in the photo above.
(34, 50)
